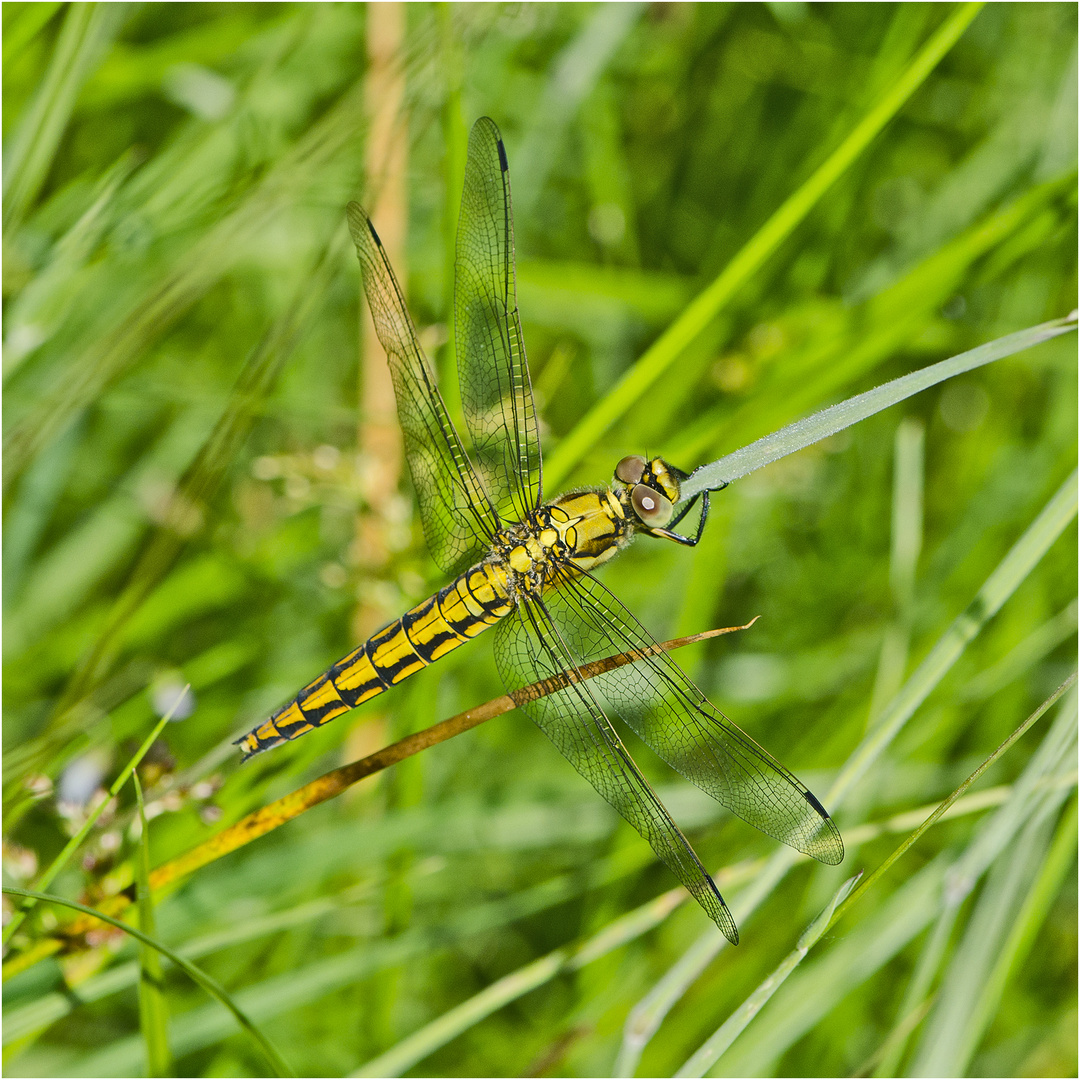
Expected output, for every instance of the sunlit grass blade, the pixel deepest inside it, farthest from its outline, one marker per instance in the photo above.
(907, 538)
(153, 1008)
(1037, 715)
(199, 483)
(829, 421)
(668, 347)
(1015, 846)
(999, 586)
(900, 930)
(23, 1020)
(280, 994)
(42, 307)
(19, 32)
(420, 1044)
(996, 834)
(1023, 655)
(83, 37)
(953, 1029)
(306, 983)
(209, 984)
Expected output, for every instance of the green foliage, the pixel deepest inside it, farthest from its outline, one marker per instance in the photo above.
(182, 488)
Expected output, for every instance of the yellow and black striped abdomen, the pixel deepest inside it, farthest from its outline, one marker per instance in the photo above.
(455, 614)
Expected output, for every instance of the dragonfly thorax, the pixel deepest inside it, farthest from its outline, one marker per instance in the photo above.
(531, 551)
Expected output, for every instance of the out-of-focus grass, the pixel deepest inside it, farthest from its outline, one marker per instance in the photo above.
(182, 487)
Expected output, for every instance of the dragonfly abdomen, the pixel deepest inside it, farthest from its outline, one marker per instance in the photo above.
(460, 611)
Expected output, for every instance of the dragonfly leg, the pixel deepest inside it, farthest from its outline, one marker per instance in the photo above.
(686, 541)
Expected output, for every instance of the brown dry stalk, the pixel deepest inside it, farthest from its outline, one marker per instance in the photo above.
(338, 780)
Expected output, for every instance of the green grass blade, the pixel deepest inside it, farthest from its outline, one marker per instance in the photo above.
(636, 923)
(994, 837)
(1013, 842)
(1023, 655)
(907, 538)
(209, 984)
(191, 275)
(61, 860)
(816, 988)
(883, 869)
(812, 429)
(1031, 916)
(999, 586)
(153, 1008)
(18, 33)
(714, 1047)
(667, 348)
(86, 31)
(852, 341)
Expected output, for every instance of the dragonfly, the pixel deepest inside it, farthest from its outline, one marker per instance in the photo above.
(525, 566)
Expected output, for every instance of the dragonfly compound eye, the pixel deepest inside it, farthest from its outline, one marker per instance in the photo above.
(630, 469)
(654, 509)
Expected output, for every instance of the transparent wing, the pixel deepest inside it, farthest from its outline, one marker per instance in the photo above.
(528, 649)
(459, 519)
(496, 393)
(658, 701)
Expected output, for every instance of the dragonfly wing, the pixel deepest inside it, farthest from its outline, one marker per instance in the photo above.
(496, 393)
(459, 519)
(529, 648)
(658, 700)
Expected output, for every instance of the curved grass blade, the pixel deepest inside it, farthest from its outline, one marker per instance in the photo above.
(190, 277)
(859, 339)
(153, 1010)
(659, 357)
(820, 425)
(207, 982)
(73, 844)
(24, 1020)
(620, 932)
(1029, 919)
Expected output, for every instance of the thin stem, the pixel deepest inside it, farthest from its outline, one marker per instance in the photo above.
(338, 780)
(207, 982)
(72, 845)
(940, 811)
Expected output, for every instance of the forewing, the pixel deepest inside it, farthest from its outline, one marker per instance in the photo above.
(496, 393)
(459, 519)
(529, 649)
(658, 701)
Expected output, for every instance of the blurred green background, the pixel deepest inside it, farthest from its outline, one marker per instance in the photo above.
(186, 502)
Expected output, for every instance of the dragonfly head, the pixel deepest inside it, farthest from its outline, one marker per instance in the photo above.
(651, 487)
